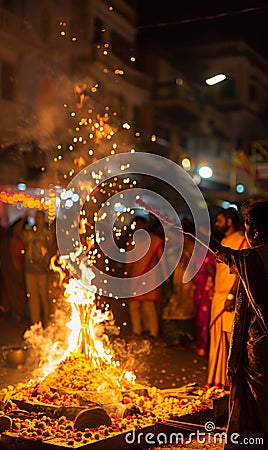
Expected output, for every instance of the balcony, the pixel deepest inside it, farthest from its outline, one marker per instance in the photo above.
(181, 102)
(16, 28)
(10, 23)
(110, 62)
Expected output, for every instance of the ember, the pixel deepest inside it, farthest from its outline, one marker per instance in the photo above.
(88, 391)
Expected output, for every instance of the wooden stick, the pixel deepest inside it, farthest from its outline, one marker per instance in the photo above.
(169, 222)
(7, 397)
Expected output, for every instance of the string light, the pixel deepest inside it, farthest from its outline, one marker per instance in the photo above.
(26, 200)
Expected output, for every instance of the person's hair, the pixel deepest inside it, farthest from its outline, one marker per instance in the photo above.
(231, 213)
(255, 214)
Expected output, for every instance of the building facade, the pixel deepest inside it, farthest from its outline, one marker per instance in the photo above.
(73, 73)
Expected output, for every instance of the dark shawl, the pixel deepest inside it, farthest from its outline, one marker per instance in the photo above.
(248, 357)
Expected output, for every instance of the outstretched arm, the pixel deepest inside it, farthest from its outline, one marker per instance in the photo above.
(222, 253)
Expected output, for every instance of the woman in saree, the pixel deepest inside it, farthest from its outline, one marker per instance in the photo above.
(248, 363)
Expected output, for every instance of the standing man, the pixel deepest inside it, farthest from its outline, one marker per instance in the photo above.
(143, 308)
(223, 301)
(39, 247)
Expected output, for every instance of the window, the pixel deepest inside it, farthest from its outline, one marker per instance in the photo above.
(227, 89)
(7, 80)
(253, 89)
(121, 47)
(99, 27)
(45, 28)
(266, 104)
(15, 7)
(9, 5)
(253, 93)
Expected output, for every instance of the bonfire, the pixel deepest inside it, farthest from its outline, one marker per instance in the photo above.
(84, 393)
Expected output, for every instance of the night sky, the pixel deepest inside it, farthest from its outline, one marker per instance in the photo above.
(197, 21)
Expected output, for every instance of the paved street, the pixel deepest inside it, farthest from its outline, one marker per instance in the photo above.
(161, 366)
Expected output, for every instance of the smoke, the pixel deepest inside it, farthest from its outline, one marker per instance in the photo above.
(48, 346)
(40, 116)
(132, 355)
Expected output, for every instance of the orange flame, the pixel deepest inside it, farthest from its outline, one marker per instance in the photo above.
(87, 336)
(86, 332)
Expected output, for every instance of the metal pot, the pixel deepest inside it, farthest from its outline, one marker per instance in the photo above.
(14, 355)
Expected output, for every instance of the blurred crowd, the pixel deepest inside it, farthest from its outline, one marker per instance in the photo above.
(175, 311)
(221, 310)
(25, 253)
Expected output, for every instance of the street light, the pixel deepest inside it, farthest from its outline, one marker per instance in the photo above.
(186, 164)
(240, 188)
(215, 79)
(205, 172)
